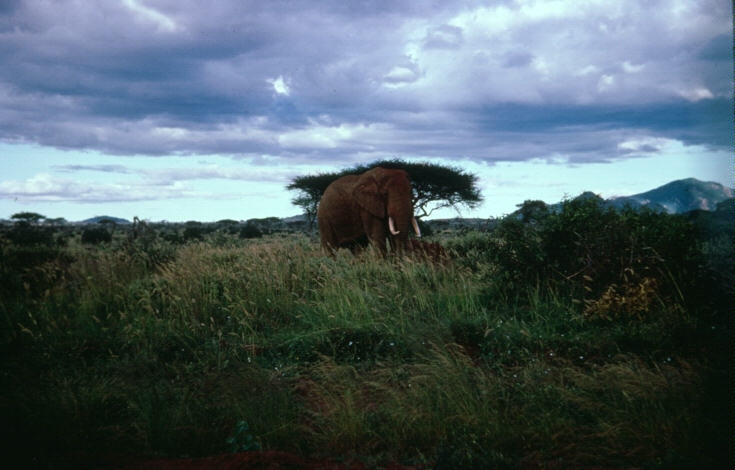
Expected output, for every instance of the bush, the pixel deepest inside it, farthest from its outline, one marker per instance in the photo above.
(615, 263)
(426, 230)
(96, 235)
(172, 236)
(27, 271)
(250, 231)
(24, 234)
(193, 233)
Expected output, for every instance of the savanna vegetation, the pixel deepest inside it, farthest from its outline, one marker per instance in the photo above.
(584, 337)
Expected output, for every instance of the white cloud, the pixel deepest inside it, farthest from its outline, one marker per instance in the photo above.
(280, 85)
(216, 172)
(632, 68)
(400, 76)
(443, 37)
(696, 94)
(46, 187)
(648, 145)
(318, 136)
(171, 132)
(605, 83)
(145, 185)
(40, 184)
(556, 52)
(587, 70)
(163, 22)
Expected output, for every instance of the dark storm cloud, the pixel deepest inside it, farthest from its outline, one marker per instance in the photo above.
(344, 81)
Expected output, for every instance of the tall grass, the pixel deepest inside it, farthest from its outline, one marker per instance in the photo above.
(161, 350)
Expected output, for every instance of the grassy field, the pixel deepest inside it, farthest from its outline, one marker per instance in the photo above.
(148, 348)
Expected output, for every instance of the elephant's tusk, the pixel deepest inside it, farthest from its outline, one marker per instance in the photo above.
(392, 227)
(416, 227)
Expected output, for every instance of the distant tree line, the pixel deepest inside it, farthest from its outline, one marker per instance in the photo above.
(33, 229)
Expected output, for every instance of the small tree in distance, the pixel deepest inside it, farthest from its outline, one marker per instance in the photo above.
(30, 218)
(27, 230)
(434, 186)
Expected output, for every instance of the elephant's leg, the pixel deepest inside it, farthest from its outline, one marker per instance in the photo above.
(357, 245)
(376, 232)
(392, 244)
(328, 238)
(379, 246)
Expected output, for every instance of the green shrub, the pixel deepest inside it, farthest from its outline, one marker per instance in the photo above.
(616, 263)
(193, 233)
(96, 235)
(250, 230)
(25, 234)
(152, 348)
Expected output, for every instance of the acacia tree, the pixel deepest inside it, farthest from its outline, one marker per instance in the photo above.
(310, 189)
(30, 218)
(27, 230)
(434, 186)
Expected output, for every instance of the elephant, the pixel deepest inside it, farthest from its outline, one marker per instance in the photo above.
(372, 207)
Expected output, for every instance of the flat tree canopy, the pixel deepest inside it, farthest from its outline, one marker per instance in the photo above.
(28, 217)
(434, 186)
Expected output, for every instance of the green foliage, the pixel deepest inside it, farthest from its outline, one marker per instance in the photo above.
(311, 188)
(616, 264)
(24, 233)
(250, 230)
(27, 272)
(193, 232)
(532, 212)
(227, 222)
(96, 235)
(28, 217)
(171, 235)
(145, 347)
(242, 440)
(426, 230)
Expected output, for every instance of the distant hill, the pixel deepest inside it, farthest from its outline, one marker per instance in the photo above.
(679, 196)
(96, 220)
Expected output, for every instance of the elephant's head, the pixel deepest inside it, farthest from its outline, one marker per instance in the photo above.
(386, 194)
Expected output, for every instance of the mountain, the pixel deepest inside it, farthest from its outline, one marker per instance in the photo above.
(99, 218)
(678, 196)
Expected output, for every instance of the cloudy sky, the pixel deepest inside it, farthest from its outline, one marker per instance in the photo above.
(187, 110)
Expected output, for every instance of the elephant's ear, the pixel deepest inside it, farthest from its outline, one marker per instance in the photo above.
(369, 198)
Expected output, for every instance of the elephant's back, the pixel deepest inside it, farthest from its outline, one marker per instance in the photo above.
(344, 182)
(338, 193)
(337, 209)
